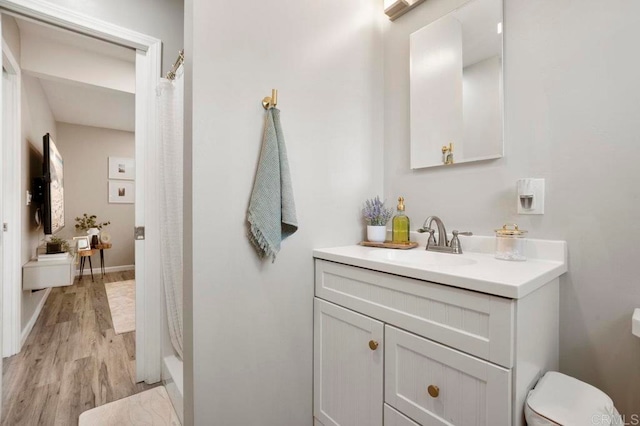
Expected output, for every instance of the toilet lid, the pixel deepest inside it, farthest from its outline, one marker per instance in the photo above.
(568, 401)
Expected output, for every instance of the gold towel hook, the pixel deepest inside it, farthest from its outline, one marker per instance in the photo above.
(272, 101)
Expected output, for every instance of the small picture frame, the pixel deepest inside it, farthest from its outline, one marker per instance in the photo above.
(82, 243)
(122, 168)
(122, 192)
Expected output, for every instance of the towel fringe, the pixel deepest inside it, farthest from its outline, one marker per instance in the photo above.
(260, 242)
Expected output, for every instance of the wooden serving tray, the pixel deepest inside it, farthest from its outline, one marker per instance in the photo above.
(390, 245)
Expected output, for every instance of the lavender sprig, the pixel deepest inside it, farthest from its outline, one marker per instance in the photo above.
(375, 213)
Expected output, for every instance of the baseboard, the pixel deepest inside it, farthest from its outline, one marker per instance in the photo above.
(96, 269)
(34, 318)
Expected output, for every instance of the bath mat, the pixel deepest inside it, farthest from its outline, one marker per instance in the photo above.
(122, 304)
(151, 407)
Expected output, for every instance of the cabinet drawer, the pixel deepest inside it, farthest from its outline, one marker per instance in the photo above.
(37, 275)
(394, 418)
(437, 385)
(473, 322)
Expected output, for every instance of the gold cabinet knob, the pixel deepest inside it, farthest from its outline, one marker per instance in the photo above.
(373, 345)
(433, 390)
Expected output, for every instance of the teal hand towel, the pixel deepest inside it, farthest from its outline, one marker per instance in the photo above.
(272, 211)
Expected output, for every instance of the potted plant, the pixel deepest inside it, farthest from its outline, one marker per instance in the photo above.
(90, 224)
(376, 215)
(57, 245)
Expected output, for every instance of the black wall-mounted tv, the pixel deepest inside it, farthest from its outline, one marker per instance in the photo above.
(48, 190)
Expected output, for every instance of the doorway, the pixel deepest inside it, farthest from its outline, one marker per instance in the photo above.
(147, 69)
(11, 221)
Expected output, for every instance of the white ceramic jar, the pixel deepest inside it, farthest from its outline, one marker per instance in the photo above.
(376, 234)
(510, 243)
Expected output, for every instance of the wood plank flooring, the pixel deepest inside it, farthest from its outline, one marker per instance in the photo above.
(72, 361)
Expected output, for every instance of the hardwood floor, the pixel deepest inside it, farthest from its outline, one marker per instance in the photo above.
(72, 361)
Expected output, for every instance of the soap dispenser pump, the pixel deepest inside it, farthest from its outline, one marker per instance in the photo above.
(400, 225)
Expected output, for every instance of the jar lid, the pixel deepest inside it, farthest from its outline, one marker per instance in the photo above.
(510, 230)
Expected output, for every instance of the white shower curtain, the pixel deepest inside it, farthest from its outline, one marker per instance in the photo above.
(171, 94)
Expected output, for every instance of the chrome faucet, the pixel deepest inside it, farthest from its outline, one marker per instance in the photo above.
(442, 232)
(443, 244)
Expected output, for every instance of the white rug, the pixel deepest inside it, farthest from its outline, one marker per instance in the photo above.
(122, 304)
(152, 408)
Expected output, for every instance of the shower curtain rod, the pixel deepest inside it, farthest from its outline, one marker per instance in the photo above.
(172, 74)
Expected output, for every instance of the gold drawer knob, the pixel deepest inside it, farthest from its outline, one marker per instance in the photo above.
(434, 391)
(373, 345)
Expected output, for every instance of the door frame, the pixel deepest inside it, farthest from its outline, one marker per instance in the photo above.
(147, 251)
(11, 292)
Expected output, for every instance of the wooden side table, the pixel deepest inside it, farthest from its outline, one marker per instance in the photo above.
(102, 247)
(84, 254)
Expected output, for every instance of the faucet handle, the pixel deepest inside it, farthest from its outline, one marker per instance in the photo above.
(431, 240)
(455, 241)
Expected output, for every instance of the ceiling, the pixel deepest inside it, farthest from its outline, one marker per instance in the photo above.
(71, 38)
(90, 106)
(73, 101)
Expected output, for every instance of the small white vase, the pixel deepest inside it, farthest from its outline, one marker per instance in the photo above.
(376, 234)
(93, 231)
(105, 237)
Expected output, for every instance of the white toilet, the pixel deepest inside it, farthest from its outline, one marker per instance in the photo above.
(559, 399)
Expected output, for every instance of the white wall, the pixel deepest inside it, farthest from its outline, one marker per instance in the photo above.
(86, 151)
(572, 107)
(37, 120)
(250, 360)
(162, 19)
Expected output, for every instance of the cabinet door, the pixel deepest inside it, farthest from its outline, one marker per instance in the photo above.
(348, 367)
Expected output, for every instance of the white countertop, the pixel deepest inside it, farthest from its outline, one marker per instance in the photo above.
(477, 271)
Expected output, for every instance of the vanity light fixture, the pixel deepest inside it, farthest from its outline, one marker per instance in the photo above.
(396, 8)
(499, 27)
(393, 7)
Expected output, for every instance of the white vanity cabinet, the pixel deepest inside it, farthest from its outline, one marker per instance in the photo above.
(401, 351)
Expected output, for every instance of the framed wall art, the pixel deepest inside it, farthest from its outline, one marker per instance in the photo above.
(122, 168)
(122, 192)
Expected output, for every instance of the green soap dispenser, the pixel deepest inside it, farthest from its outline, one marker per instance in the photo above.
(400, 225)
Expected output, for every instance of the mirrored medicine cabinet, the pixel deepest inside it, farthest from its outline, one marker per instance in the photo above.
(456, 79)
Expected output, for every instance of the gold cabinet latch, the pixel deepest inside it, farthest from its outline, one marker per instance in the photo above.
(447, 154)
